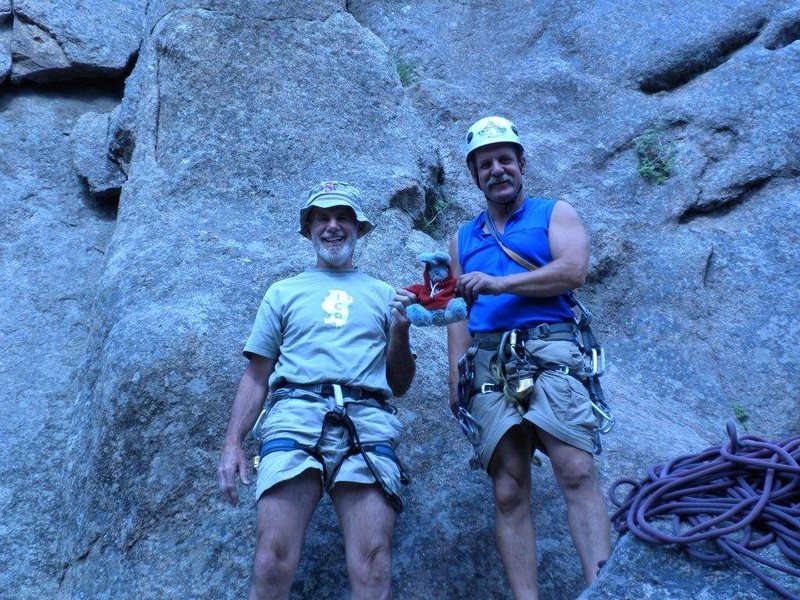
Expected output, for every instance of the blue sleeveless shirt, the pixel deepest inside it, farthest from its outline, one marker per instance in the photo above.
(526, 234)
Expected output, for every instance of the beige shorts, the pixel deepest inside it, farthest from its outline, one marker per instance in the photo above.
(292, 426)
(558, 405)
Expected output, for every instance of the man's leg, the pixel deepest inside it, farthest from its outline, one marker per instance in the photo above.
(367, 523)
(586, 508)
(510, 469)
(283, 513)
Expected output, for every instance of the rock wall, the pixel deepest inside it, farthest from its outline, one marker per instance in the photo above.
(53, 242)
(232, 110)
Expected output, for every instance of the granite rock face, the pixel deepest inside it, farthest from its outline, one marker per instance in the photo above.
(233, 110)
(211, 196)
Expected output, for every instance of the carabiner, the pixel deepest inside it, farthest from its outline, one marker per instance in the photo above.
(608, 421)
(598, 363)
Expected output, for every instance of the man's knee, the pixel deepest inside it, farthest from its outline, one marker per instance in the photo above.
(371, 566)
(274, 563)
(576, 474)
(510, 489)
(509, 469)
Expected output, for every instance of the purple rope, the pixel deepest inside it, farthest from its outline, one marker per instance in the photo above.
(742, 496)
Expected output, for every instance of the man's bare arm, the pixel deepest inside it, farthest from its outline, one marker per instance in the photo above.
(400, 364)
(458, 337)
(247, 404)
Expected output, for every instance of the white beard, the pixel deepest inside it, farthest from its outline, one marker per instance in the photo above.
(334, 257)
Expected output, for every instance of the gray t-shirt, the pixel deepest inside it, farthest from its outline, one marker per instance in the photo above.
(325, 326)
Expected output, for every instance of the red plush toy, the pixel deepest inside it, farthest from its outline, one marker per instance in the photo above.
(437, 301)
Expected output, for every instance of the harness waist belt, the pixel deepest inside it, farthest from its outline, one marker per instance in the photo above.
(555, 331)
(326, 389)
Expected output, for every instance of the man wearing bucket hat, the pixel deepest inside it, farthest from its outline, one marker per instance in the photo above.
(515, 364)
(328, 348)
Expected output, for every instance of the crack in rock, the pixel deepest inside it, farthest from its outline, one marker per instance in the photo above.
(688, 68)
(729, 198)
(709, 263)
(219, 13)
(67, 567)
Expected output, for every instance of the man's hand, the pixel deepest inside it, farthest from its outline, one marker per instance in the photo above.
(473, 284)
(231, 463)
(454, 399)
(402, 299)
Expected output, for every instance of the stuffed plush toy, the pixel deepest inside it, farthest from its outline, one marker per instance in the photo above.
(436, 296)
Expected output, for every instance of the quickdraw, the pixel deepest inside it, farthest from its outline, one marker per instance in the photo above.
(469, 426)
(594, 369)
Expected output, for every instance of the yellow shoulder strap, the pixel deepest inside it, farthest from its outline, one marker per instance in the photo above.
(511, 254)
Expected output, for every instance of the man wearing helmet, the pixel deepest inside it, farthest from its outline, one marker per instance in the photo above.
(329, 347)
(515, 263)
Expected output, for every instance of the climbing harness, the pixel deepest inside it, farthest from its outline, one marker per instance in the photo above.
(742, 496)
(515, 369)
(338, 416)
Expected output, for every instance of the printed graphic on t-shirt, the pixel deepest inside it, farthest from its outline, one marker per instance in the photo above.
(336, 304)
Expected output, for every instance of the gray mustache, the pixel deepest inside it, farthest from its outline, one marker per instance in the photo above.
(501, 179)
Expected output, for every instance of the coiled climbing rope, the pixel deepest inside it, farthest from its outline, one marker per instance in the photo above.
(741, 496)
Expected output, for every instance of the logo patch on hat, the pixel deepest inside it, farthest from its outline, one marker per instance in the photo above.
(330, 186)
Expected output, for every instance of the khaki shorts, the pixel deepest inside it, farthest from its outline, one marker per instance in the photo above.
(558, 405)
(295, 417)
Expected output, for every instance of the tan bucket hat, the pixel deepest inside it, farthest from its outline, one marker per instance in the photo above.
(334, 193)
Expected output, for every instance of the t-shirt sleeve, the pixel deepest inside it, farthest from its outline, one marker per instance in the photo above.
(266, 335)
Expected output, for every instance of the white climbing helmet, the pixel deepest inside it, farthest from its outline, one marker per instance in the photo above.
(491, 130)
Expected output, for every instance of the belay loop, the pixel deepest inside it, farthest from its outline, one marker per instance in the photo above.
(518, 382)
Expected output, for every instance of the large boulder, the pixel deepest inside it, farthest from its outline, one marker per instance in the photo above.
(66, 39)
(207, 219)
(93, 159)
(663, 572)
